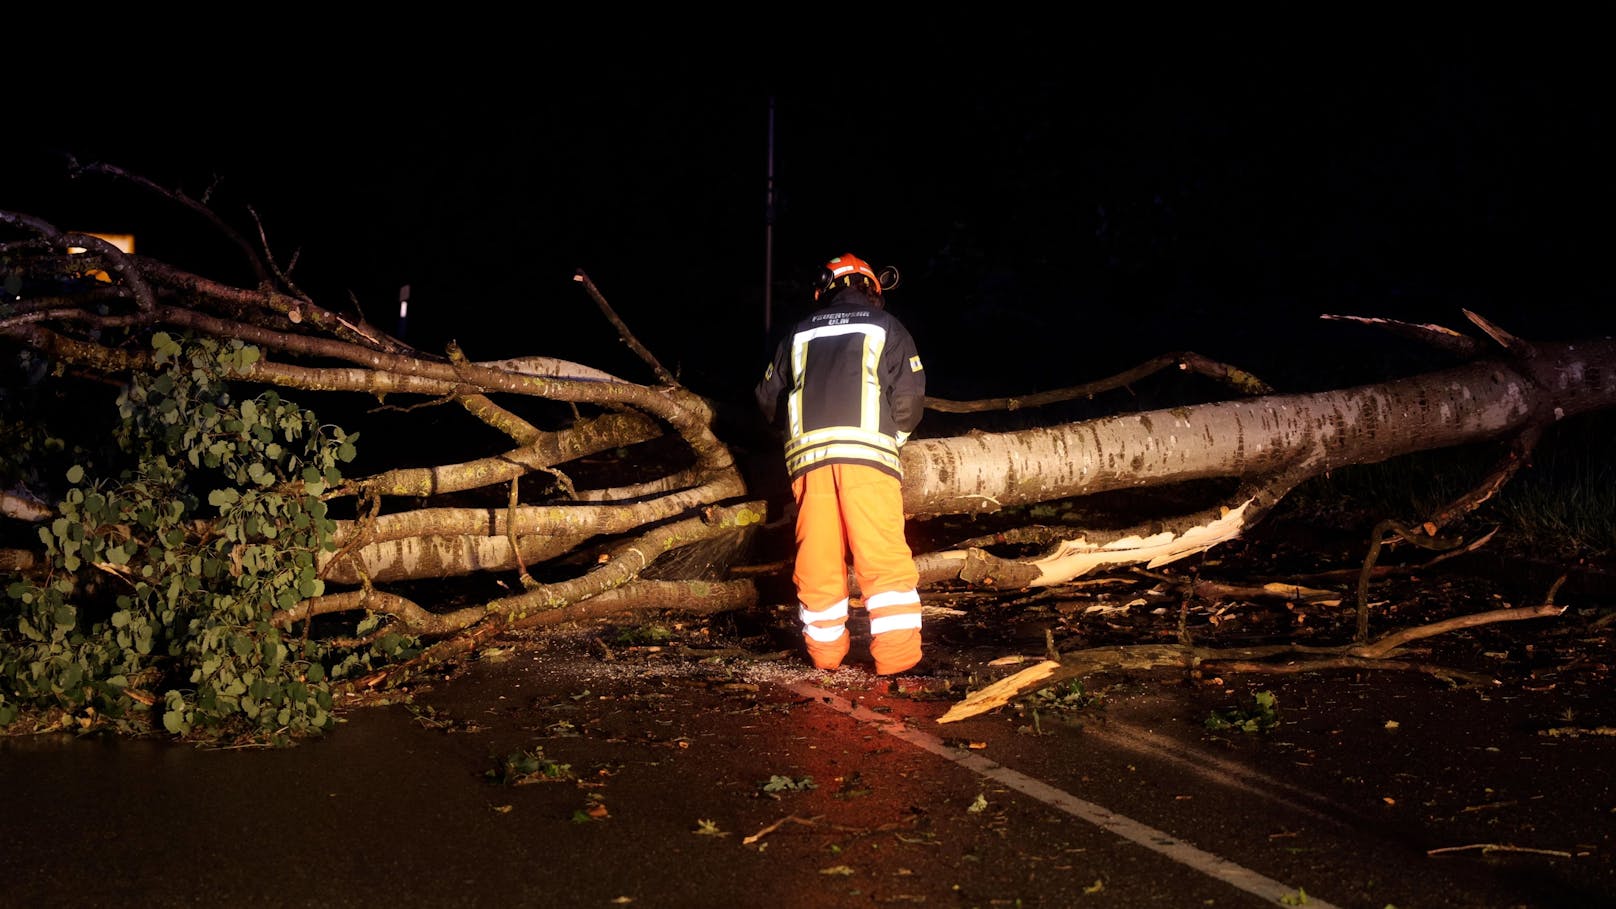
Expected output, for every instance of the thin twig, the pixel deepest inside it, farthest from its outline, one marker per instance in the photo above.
(1239, 379)
(790, 819)
(1499, 847)
(622, 330)
(1396, 639)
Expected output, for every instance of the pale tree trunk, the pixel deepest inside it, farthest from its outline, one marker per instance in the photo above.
(1271, 443)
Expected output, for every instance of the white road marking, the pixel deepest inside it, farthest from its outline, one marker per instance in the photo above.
(1129, 829)
(1223, 772)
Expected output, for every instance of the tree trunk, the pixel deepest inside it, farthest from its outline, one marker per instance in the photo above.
(1271, 443)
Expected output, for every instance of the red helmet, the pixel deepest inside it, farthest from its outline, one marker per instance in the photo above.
(843, 270)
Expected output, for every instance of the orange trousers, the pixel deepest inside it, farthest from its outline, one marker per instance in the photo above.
(855, 508)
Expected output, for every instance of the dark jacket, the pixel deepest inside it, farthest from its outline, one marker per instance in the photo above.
(852, 384)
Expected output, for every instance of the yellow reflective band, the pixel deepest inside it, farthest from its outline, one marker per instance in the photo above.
(805, 459)
(870, 408)
(832, 435)
(799, 356)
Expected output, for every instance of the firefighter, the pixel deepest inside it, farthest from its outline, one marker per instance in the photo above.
(853, 390)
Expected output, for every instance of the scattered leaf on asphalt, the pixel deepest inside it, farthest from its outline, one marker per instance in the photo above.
(779, 783)
(978, 806)
(842, 870)
(520, 768)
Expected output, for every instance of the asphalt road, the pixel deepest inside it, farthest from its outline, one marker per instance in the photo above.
(692, 780)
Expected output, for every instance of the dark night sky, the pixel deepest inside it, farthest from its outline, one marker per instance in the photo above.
(1059, 208)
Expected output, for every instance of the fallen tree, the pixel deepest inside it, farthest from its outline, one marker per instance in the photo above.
(223, 558)
(1272, 443)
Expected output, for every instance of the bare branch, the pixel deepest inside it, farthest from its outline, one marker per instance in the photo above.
(622, 330)
(1241, 381)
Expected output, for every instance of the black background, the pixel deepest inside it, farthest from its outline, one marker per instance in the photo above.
(1062, 201)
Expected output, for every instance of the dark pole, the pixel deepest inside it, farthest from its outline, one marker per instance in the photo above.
(768, 242)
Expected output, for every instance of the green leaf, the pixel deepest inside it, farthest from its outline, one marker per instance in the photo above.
(75, 474)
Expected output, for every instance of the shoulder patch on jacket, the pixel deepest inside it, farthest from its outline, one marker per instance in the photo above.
(914, 363)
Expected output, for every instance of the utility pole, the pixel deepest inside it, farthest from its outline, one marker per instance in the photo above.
(768, 242)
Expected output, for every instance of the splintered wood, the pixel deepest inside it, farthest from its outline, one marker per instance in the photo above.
(1001, 692)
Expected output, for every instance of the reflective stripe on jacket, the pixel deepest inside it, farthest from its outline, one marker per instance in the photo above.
(853, 384)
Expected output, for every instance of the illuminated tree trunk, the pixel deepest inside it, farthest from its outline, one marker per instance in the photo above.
(1271, 443)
